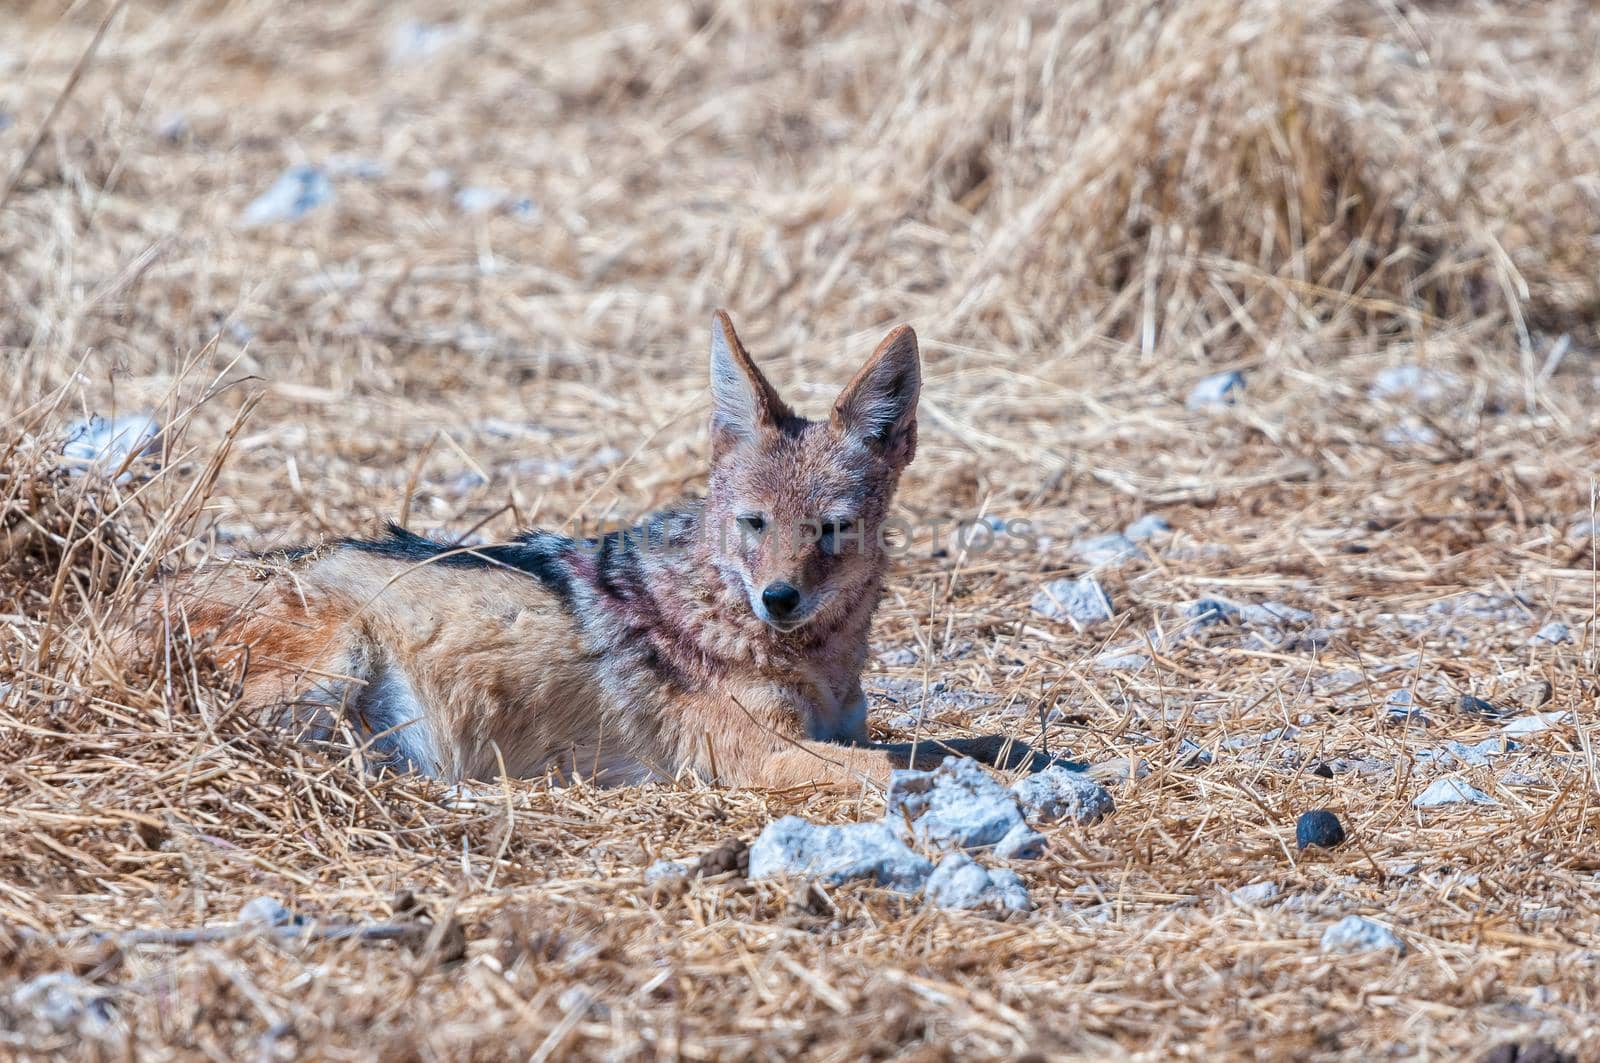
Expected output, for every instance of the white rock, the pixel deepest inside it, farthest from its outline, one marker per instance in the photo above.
(1552, 634)
(1475, 755)
(1539, 721)
(1021, 842)
(1122, 659)
(1354, 933)
(961, 882)
(661, 870)
(1082, 601)
(1111, 549)
(297, 192)
(480, 199)
(1147, 527)
(835, 854)
(1415, 382)
(1444, 792)
(1221, 389)
(64, 1002)
(1208, 611)
(1057, 793)
(957, 805)
(1273, 614)
(1256, 893)
(265, 911)
(106, 444)
(415, 41)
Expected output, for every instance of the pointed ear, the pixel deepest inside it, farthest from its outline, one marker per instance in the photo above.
(879, 406)
(742, 402)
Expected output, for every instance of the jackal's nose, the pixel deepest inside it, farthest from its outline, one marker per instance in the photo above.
(780, 599)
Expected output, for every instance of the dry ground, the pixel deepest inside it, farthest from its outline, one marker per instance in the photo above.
(1084, 208)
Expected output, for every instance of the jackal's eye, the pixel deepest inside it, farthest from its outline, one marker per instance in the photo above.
(754, 523)
(837, 533)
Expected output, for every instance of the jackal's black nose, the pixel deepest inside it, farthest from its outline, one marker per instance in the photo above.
(780, 599)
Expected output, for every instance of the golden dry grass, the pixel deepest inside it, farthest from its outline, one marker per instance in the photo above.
(1083, 208)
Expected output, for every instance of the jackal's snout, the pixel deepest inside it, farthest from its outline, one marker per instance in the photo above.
(781, 599)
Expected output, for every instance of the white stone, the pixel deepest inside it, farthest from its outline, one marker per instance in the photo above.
(1256, 893)
(1021, 842)
(1355, 933)
(661, 870)
(1539, 721)
(265, 911)
(836, 854)
(1220, 389)
(957, 805)
(1098, 550)
(1147, 527)
(961, 882)
(1057, 793)
(64, 1002)
(1082, 601)
(1415, 382)
(297, 192)
(1554, 633)
(1451, 792)
(107, 443)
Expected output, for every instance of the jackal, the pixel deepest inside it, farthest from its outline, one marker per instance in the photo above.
(725, 637)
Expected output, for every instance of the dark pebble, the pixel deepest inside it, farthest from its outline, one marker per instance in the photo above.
(731, 855)
(1322, 771)
(1479, 707)
(1531, 1052)
(1320, 828)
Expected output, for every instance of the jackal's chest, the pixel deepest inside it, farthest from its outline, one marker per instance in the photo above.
(832, 711)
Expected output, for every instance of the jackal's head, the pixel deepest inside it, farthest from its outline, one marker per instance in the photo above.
(795, 509)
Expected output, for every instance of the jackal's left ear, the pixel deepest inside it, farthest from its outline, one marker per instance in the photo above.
(880, 405)
(742, 402)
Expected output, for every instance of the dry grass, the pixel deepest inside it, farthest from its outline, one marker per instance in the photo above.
(1083, 208)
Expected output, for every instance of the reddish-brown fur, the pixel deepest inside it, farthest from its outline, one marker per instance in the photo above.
(618, 664)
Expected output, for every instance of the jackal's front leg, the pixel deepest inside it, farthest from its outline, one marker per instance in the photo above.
(800, 762)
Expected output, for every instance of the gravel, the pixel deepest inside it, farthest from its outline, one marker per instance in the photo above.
(1081, 601)
(1220, 389)
(297, 192)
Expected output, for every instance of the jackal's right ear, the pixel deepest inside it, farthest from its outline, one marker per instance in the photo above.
(879, 406)
(742, 402)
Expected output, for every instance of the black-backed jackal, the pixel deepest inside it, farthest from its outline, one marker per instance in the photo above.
(725, 637)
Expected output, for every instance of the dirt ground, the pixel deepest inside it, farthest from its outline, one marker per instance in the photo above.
(479, 300)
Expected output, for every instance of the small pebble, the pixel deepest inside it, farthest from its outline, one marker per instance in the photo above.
(1479, 707)
(1081, 601)
(1147, 527)
(1320, 829)
(1528, 1052)
(1221, 389)
(662, 870)
(297, 191)
(1255, 894)
(1539, 721)
(265, 911)
(1554, 633)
